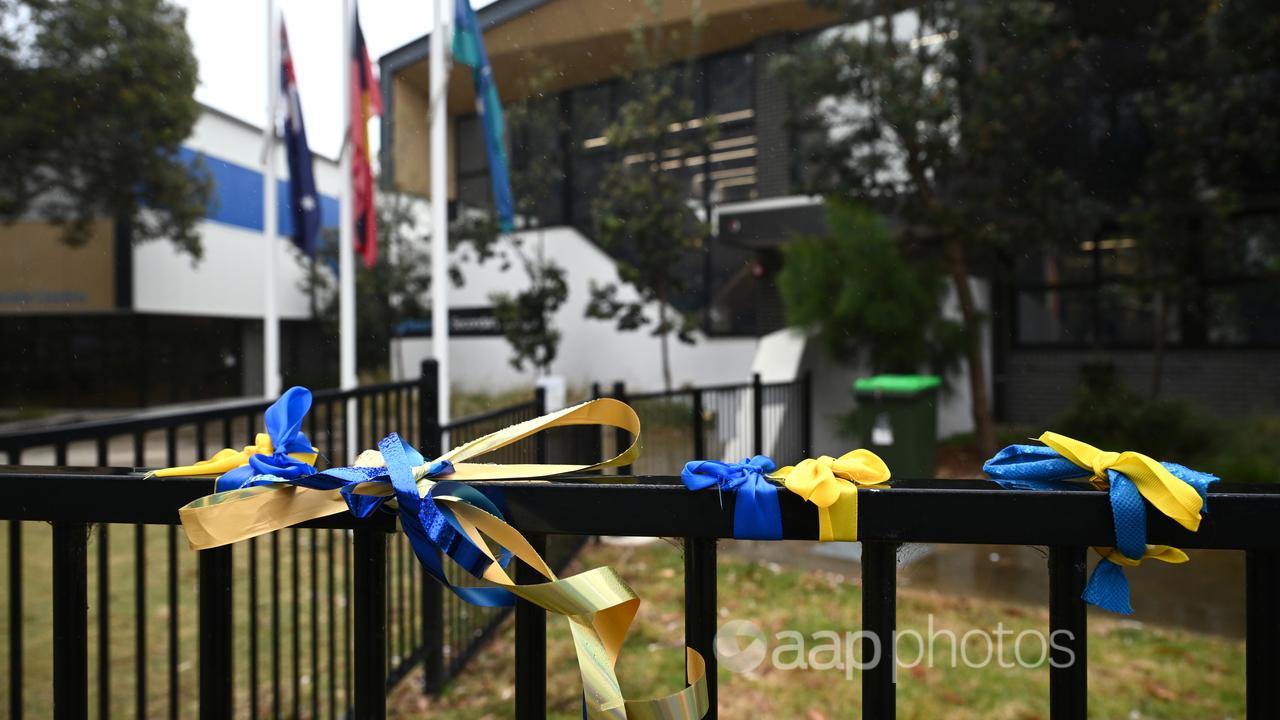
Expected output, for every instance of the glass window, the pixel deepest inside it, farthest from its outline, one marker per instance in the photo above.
(730, 78)
(469, 145)
(589, 112)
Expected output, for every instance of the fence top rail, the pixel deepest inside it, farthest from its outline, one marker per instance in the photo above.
(184, 415)
(934, 511)
(488, 415)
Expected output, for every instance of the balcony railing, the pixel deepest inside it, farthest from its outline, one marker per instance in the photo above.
(1067, 522)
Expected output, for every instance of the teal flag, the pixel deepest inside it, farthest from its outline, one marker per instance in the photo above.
(468, 49)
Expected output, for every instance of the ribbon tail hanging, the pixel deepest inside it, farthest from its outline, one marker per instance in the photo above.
(1108, 588)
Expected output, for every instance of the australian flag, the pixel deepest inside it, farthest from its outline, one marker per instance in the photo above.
(303, 200)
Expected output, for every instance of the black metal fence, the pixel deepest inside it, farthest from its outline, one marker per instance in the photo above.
(299, 614)
(722, 422)
(1067, 522)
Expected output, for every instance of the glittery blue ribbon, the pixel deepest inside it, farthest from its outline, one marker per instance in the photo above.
(756, 514)
(1036, 467)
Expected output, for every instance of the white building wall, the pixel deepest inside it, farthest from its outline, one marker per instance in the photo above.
(590, 350)
(228, 280)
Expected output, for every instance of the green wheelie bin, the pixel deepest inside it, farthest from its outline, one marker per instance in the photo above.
(897, 419)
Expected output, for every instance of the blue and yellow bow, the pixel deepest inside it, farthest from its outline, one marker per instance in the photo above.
(448, 516)
(1176, 491)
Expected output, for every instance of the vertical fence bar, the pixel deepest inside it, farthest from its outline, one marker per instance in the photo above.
(1068, 634)
(140, 594)
(172, 591)
(1262, 644)
(369, 661)
(295, 641)
(331, 627)
(531, 644)
(622, 437)
(700, 608)
(430, 441)
(275, 625)
(757, 415)
(104, 601)
(313, 603)
(252, 610)
(215, 608)
(699, 427)
(879, 622)
(70, 621)
(15, 617)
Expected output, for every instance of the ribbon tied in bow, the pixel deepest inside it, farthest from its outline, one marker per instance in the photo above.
(832, 484)
(282, 452)
(450, 517)
(1176, 491)
(756, 515)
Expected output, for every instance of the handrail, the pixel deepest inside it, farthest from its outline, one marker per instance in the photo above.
(184, 415)
(532, 405)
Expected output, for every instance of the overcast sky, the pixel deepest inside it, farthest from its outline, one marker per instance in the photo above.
(230, 43)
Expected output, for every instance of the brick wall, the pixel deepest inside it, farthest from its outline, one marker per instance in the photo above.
(1040, 384)
(773, 164)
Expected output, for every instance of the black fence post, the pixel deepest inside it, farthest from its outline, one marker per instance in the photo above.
(806, 414)
(699, 427)
(621, 437)
(531, 644)
(700, 608)
(431, 443)
(70, 621)
(429, 409)
(757, 415)
(1068, 634)
(15, 615)
(216, 635)
(879, 623)
(540, 440)
(1262, 642)
(369, 660)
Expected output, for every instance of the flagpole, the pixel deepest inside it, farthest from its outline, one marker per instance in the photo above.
(270, 228)
(438, 113)
(346, 240)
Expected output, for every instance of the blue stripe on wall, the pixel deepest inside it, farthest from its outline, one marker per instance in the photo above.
(237, 196)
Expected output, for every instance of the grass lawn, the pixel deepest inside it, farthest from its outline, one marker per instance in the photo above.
(1134, 671)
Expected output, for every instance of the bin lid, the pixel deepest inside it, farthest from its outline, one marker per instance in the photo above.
(899, 384)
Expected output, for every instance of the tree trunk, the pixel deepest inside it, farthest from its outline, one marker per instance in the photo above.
(983, 423)
(664, 338)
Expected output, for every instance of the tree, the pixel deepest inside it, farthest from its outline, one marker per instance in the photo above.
(944, 127)
(526, 316)
(99, 99)
(643, 213)
(865, 298)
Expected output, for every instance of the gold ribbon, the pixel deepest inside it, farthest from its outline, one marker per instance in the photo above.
(598, 605)
(228, 517)
(1166, 493)
(832, 485)
(228, 459)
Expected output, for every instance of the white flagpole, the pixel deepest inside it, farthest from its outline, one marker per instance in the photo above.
(346, 239)
(270, 228)
(438, 113)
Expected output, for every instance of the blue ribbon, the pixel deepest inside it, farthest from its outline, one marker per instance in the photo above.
(284, 426)
(1037, 467)
(756, 515)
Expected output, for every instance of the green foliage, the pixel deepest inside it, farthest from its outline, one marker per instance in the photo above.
(99, 98)
(525, 317)
(1107, 414)
(643, 213)
(865, 299)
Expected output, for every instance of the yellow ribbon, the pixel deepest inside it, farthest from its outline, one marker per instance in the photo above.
(598, 605)
(832, 485)
(1166, 493)
(228, 517)
(228, 459)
